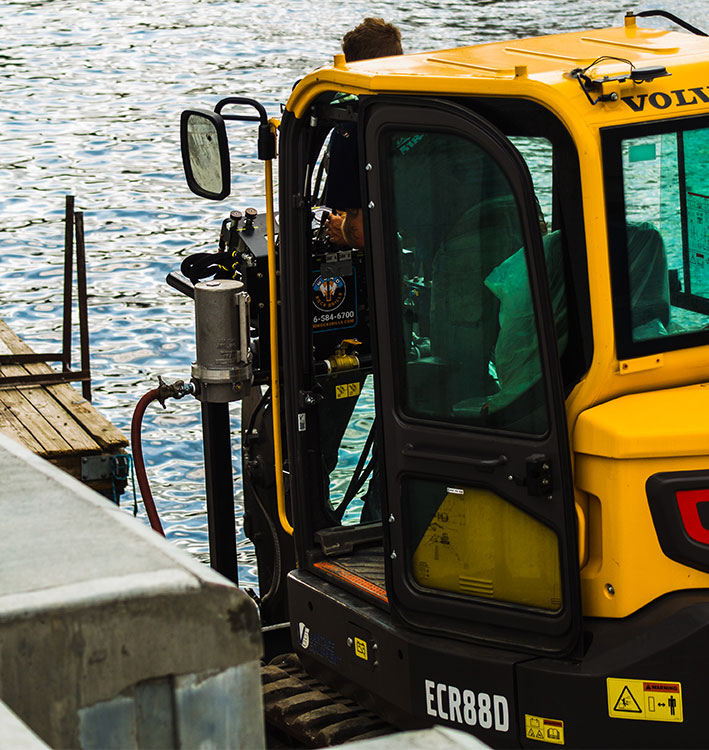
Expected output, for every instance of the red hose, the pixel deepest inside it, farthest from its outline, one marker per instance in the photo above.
(135, 439)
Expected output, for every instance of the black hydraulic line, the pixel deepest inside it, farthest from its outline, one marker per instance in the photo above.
(669, 17)
(275, 579)
(358, 478)
(216, 433)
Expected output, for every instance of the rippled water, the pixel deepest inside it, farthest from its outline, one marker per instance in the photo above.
(90, 98)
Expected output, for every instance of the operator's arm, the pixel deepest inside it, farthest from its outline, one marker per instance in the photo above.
(346, 228)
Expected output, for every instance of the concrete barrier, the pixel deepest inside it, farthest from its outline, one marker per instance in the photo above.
(15, 734)
(111, 637)
(435, 738)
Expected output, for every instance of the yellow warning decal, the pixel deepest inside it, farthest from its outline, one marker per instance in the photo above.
(644, 699)
(347, 390)
(544, 730)
(360, 647)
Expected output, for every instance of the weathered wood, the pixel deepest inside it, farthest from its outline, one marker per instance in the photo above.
(51, 442)
(11, 425)
(60, 420)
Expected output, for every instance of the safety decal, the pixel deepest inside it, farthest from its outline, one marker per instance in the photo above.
(644, 700)
(303, 635)
(347, 390)
(360, 648)
(544, 730)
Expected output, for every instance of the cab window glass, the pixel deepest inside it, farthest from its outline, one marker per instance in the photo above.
(469, 347)
(665, 187)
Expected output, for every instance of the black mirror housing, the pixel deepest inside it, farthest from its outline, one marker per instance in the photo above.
(205, 153)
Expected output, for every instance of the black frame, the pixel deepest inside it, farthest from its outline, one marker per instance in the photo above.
(676, 543)
(222, 143)
(611, 140)
(488, 622)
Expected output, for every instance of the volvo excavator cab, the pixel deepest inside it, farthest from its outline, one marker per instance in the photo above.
(496, 453)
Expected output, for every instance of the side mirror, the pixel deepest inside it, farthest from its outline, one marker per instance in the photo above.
(205, 153)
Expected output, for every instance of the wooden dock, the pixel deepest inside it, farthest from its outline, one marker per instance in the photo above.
(56, 422)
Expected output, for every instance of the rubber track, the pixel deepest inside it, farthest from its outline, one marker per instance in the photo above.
(310, 713)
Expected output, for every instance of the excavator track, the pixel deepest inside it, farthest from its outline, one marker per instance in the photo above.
(302, 712)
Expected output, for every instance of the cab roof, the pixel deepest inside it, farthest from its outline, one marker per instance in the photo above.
(489, 68)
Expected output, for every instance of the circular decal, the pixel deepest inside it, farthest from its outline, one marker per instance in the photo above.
(328, 292)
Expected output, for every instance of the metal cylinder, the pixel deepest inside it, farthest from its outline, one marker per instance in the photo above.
(222, 371)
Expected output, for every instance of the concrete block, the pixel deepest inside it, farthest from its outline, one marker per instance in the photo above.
(109, 635)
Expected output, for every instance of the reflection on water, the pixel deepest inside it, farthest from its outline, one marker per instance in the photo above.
(90, 97)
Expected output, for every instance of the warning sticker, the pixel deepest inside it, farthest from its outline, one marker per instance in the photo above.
(360, 648)
(347, 390)
(645, 700)
(544, 730)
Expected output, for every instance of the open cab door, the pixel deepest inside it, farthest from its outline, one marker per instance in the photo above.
(479, 521)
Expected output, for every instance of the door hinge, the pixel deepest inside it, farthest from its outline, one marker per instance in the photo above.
(538, 478)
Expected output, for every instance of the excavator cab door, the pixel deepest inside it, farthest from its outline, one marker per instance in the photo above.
(478, 507)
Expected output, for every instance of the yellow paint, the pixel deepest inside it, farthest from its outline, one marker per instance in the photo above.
(543, 730)
(273, 339)
(666, 423)
(480, 545)
(628, 366)
(360, 648)
(644, 700)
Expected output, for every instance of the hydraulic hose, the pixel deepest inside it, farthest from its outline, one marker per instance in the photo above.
(136, 443)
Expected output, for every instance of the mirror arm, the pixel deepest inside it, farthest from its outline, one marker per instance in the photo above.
(266, 138)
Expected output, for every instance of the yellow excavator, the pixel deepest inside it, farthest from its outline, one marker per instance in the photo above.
(476, 450)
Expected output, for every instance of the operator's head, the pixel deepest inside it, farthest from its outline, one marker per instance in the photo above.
(374, 37)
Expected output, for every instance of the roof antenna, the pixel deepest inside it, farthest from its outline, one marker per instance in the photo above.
(668, 16)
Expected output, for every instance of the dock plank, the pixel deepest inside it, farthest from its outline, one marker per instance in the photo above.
(10, 425)
(85, 428)
(52, 443)
(44, 417)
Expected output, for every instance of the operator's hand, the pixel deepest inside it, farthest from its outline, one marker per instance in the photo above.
(333, 227)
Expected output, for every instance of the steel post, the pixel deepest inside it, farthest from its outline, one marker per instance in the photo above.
(220, 489)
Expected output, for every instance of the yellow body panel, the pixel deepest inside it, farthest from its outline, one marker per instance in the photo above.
(617, 440)
(655, 424)
(618, 446)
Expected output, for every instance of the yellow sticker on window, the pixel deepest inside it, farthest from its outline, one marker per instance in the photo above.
(544, 730)
(646, 700)
(361, 648)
